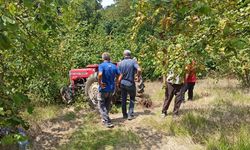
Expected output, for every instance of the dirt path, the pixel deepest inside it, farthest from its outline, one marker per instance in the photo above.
(55, 132)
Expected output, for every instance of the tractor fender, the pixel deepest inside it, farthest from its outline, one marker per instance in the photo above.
(95, 75)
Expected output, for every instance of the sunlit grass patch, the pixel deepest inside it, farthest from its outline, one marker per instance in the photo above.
(92, 137)
(239, 141)
(155, 91)
(43, 113)
(167, 125)
(159, 95)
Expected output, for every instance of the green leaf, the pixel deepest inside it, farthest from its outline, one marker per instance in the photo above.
(19, 98)
(12, 8)
(203, 8)
(8, 139)
(28, 3)
(4, 42)
(8, 20)
(30, 109)
(12, 139)
(1, 111)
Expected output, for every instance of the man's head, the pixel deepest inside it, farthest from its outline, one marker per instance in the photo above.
(105, 56)
(127, 53)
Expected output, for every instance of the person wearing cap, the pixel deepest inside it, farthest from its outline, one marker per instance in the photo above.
(107, 73)
(128, 68)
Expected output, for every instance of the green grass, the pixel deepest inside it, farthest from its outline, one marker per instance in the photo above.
(43, 113)
(218, 120)
(69, 116)
(240, 141)
(93, 136)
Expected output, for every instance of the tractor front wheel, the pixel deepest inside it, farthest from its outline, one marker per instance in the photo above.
(66, 94)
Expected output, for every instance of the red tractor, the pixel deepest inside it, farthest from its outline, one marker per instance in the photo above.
(86, 80)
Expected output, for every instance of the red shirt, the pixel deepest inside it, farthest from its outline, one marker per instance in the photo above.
(191, 74)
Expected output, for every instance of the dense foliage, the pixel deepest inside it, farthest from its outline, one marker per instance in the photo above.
(42, 39)
(209, 32)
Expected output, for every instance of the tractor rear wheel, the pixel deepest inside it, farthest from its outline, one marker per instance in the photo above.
(91, 90)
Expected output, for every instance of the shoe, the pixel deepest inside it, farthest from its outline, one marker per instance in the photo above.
(125, 117)
(175, 115)
(130, 117)
(163, 115)
(109, 125)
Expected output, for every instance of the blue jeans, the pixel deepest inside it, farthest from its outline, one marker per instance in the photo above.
(104, 101)
(125, 90)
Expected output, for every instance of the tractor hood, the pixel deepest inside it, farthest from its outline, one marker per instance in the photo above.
(81, 73)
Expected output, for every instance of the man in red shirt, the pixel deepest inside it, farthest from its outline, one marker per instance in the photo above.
(190, 79)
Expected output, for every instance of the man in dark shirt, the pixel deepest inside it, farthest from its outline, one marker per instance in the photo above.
(107, 72)
(128, 68)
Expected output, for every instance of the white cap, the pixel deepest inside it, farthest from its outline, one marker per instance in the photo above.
(127, 52)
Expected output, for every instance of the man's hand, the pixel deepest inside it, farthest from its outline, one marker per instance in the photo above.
(117, 85)
(137, 78)
(103, 85)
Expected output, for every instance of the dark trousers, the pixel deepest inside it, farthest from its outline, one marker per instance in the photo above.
(190, 88)
(104, 101)
(125, 90)
(171, 91)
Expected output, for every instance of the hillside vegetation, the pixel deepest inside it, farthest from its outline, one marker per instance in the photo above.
(41, 40)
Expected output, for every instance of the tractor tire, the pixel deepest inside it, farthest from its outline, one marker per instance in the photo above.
(91, 90)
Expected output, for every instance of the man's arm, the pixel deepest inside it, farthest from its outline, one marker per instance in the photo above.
(138, 72)
(118, 77)
(103, 85)
(100, 70)
(137, 67)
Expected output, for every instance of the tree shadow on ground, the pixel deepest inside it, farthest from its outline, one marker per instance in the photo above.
(120, 120)
(51, 133)
(150, 138)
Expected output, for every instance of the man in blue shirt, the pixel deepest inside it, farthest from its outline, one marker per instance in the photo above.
(128, 68)
(107, 73)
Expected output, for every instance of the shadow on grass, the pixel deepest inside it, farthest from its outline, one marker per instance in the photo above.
(52, 132)
(150, 140)
(120, 120)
